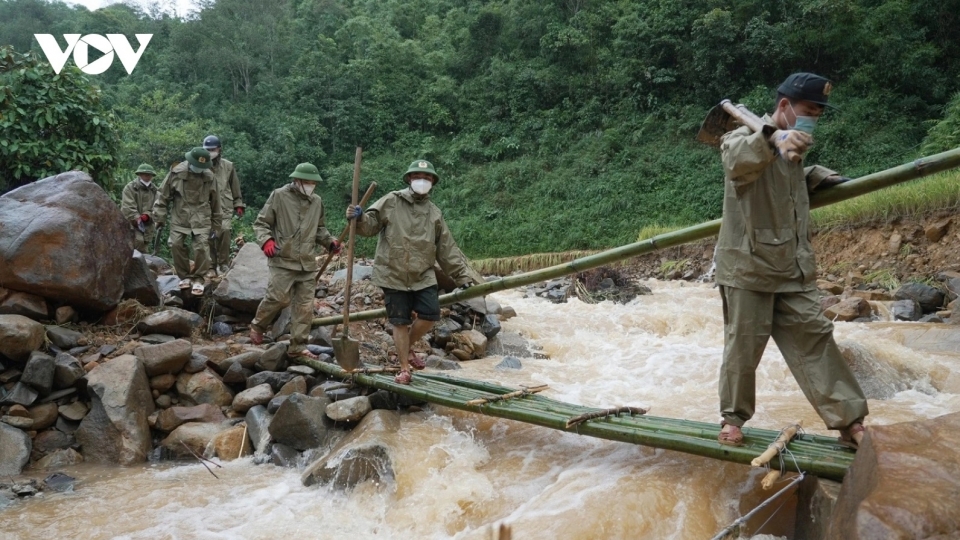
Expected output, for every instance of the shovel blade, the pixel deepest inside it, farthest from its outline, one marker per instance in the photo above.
(715, 125)
(347, 353)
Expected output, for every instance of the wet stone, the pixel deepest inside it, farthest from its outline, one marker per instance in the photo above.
(59, 482)
(435, 362)
(22, 394)
(52, 440)
(195, 364)
(67, 371)
(236, 374)
(39, 372)
(509, 362)
(296, 385)
(275, 403)
(282, 455)
(349, 410)
(301, 370)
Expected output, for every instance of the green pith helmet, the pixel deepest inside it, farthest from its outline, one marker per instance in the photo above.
(198, 157)
(421, 165)
(145, 168)
(306, 171)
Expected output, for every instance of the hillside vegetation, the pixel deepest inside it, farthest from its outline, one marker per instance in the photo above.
(555, 125)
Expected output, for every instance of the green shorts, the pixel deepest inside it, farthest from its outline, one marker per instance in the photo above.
(402, 304)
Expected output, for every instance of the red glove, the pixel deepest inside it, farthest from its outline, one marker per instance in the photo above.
(270, 248)
(335, 247)
(144, 218)
(239, 211)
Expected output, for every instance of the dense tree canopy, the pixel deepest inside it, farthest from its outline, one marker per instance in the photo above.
(555, 124)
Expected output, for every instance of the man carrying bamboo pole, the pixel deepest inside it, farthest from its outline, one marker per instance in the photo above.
(766, 268)
(413, 236)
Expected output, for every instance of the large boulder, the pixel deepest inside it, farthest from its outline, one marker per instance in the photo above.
(203, 387)
(15, 447)
(196, 436)
(903, 483)
(116, 430)
(245, 284)
(139, 281)
(929, 298)
(171, 322)
(19, 336)
(172, 418)
(165, 358)
(63, 237)
(360, 456)
(258, 395)
(300, 422)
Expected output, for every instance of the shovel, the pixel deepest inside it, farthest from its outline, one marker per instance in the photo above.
(346, 230)
(726, 117)
(346, 350)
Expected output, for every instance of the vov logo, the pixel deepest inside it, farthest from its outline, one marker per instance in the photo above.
(80, 47)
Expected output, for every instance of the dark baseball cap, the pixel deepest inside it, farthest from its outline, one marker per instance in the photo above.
(807, 87)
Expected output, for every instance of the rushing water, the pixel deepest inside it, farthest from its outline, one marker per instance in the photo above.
(459, 475)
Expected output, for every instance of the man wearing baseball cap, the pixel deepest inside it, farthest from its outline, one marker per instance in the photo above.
(766, 267)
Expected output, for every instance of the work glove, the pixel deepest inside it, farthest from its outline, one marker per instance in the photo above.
(239, 211)
(832, 180)
(213, 235)
(145, 218)
(335, 247)
(354, 212)
(270, 248)
(140, 226)
(791, 143)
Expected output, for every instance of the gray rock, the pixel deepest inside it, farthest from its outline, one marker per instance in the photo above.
(245, 285)
(140, 282)
(221, 329)
(282, 455)
(8, 376)
(168, 284)
(39, 372)
(156, 339)
(301, 370)
(296, 385)
(172, 322)
(203, 387)
(26, 304)
(164, 401)
(274, 358)
(15, 447)
(162, 383)
(20, 394)
(321, 335)
(67, 371)
(258, 423)
(258, 395)
(349, 410)
(281, 325)
(45, 222)
(300, 422)
(359, 457)
(276, 379)
(158, 265)
(63, 337)
(360, 273)
(384, 400)
(274, 405)
(60, 458)
(509, 362)
(929, 298)
(236, 374)
(19, 336)
(490, 326)
(165, 358)
(195, 364)
(116, 429)
(196, 436)
(60, 482)
(905, 310)
(52, 440)
(341, 393)
(436, 362)
(66, 426)
(247, 359)
(74, 411)
(172, 418)
(320, 350)
(931, 318)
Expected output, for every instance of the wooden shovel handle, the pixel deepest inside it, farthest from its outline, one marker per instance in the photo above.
(346, 228)
(743, 115)
(353, 232)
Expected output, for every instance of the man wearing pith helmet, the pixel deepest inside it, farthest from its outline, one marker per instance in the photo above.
(136, 205)
(228, 186)
(289, 228)
(766, 268)
(412, 237)
(190, 189)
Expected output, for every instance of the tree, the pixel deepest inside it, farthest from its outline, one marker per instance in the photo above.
(51, 123)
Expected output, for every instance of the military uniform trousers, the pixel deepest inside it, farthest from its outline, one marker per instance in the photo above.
(143, 241)
(220, 246)
(181, 254)
(288, 288)
(805, 338)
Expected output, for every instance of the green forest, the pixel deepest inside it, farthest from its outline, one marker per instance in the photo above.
(554, 124)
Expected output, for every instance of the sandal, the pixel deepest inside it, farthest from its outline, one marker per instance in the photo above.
(256, 336)
(185, 283)
(404, 377)
(852, 436)
(198, 288)
(730, 435)
(416, 362)
(305, 353)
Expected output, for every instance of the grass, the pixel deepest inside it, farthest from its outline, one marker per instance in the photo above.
(883, 277)
(656, 230)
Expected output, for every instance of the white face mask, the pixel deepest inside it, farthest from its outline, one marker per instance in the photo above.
(306, 189)
(421, 186)
(193, 169)
(146, 183)
(214, 154)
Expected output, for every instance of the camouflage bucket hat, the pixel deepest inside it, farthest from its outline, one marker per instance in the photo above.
(145, 168)
(306, 171)
(198, 157)
(424, 166)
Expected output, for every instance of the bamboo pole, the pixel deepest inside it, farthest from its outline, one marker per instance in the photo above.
(778, 445)
(854, 188)
(509, 395)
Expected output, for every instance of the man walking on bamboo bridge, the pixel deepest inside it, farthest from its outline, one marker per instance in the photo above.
(413, 237)
(766, 268)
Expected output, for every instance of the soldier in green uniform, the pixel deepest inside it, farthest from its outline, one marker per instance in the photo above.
(228, 186)
(412, 237)
(766, 268)
(136, 205)
(191, 189)
(289, 228)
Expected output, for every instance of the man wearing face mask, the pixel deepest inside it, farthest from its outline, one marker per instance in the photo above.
(191, 190)
(228, 186)
(136, 205)
(766, 268)
(412, 237)
(289, 228)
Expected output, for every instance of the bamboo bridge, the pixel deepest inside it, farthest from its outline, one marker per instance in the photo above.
(812, 454)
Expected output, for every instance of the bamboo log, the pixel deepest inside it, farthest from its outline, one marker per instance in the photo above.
(854, 188)
(778, 445)
(517, 393)
(603, 413)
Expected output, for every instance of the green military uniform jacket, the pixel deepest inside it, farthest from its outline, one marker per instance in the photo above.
(228, 186)
(136, 200)
(295, 222)
(764, 242)
(196, 205)
(413, 236)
